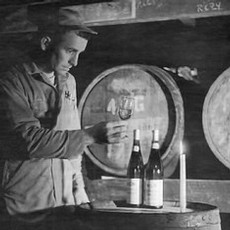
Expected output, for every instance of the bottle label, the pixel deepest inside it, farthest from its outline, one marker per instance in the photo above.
(136, 148)
(135, 196)
(153, 193)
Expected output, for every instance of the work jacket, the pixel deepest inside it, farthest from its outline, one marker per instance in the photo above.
(40, 131)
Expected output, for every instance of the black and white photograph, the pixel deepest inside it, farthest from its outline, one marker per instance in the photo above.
(114, 114)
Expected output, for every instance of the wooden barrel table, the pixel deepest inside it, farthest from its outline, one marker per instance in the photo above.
(108, 216)
(197, 216)
(216, 117)
(158, 104)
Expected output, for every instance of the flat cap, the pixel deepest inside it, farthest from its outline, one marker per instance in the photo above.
(48, 17)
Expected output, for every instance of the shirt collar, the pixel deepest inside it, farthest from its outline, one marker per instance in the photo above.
(32, 69)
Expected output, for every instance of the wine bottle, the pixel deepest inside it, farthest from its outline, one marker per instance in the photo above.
(153, 176)
(135, 172)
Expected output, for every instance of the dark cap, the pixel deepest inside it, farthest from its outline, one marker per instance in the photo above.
(51, 17)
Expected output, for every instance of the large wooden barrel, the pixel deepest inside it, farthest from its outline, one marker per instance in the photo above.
(216, 117)
(197, 216)
(158, 104)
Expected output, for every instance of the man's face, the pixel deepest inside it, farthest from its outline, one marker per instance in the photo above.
(66, 53)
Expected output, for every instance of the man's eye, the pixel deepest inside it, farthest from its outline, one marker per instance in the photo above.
(70, 51)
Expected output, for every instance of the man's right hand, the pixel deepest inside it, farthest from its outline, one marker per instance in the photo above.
(108, 132)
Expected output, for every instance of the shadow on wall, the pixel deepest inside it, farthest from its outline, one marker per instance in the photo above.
(13, 48)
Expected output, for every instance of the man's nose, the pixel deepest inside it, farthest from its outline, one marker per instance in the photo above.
(74, 60)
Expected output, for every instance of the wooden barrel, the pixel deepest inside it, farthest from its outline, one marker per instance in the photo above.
(158, 104)
(197, 216)
(216, 117)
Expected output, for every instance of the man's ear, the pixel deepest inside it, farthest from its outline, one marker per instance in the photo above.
(45, 43)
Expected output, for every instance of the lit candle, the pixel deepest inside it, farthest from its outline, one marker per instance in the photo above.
(182, 179)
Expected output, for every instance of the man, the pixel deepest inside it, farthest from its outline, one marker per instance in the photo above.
(41, 138)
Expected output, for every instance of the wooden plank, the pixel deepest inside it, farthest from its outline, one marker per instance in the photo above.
(100, 13)
(168, 9)
(214, 192)
(127, 11)
(133, 11)
(14, 20)
(21, 2)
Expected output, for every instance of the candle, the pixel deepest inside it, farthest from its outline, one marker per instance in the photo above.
(182, 179)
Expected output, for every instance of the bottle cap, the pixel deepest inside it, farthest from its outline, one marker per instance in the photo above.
(137, 134)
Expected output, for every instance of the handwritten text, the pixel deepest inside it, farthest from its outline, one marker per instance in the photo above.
(145, 3)
(209, 6)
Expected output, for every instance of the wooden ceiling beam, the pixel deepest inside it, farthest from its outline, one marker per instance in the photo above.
(134, 11)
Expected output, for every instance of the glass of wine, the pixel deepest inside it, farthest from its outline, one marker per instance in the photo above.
(126, 107)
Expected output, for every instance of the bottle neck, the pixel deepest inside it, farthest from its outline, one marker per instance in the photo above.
(136, 135)
(136, 140)
(155, 150)
(136, 146)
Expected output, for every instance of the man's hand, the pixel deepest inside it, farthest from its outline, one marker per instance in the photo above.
(85, 206)
(108, 132)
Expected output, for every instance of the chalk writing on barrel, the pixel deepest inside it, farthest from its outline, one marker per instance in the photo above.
(209, 6)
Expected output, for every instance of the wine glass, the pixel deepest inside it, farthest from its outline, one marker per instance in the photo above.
(126, 107)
